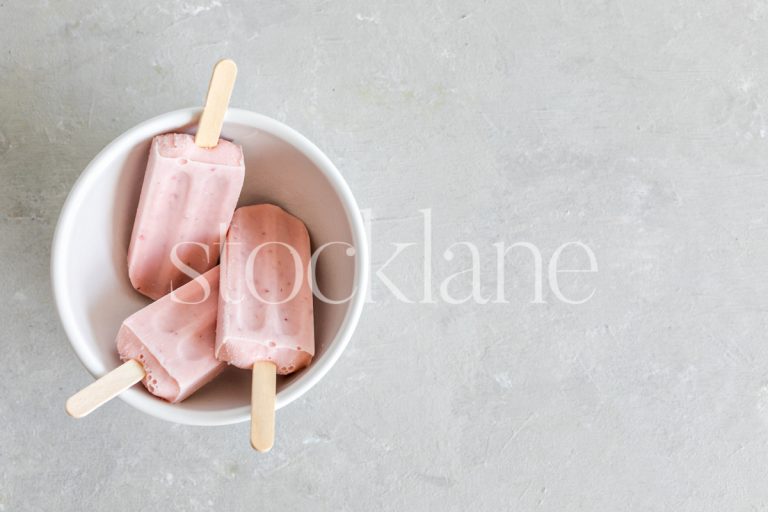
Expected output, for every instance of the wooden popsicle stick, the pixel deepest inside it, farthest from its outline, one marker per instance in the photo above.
(263, 406)
(105, 389)
(216, 103)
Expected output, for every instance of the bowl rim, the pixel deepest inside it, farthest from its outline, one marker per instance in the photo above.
(162, 124)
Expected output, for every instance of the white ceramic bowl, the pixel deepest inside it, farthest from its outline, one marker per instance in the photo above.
(88, 261)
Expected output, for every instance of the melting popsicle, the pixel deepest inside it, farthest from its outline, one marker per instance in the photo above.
(265, 318)
(168, 346)
(191, 187)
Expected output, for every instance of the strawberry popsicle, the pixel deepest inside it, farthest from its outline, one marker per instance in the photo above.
(187, 201)
(168, 345)
(173, 339)
(265, 312)
(265, 320)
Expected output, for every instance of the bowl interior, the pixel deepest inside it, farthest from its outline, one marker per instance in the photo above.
(94, 294)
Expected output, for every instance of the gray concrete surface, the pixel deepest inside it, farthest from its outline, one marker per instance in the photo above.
(639, 128)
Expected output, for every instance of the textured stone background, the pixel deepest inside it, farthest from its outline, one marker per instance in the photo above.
(638, 127)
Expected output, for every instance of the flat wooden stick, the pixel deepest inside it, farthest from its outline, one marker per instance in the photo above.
(216, 103)
(105, 389)
(263, 406)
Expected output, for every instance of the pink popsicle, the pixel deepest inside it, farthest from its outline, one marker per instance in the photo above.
(265, 307)
(187, 201)
(173, 338)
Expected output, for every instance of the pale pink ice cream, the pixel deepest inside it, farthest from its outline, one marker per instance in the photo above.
(173, 338)
(188, 197)
(250, 329)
